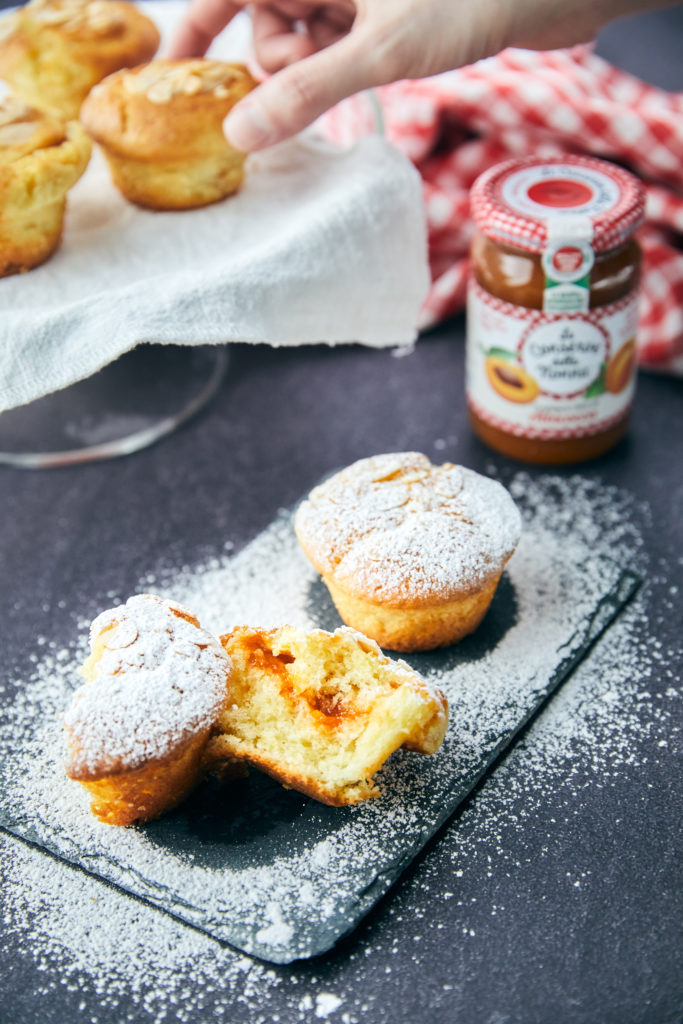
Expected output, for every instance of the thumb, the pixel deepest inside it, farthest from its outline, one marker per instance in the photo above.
(294, 97)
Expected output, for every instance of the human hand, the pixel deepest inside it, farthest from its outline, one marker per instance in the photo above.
(320, 53)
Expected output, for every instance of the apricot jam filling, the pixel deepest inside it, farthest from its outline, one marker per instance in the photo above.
(329, 706)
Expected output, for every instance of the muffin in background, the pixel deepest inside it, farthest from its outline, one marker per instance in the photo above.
(52, 52)
(160, 128)
(41, 158)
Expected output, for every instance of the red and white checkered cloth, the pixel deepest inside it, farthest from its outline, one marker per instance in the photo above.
(524, 103)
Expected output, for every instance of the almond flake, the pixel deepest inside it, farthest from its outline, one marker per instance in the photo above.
(134, 84)
(15, 133)
(13, 109)
(192, 85)
(122, 635)
(160, 92)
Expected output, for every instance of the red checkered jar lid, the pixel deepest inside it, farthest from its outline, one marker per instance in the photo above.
(526, 203)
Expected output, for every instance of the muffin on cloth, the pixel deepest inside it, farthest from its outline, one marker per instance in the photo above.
(160, 127)
(52, 52)
(411, 553)
(41, 157)
(321, 712)
(136, 730)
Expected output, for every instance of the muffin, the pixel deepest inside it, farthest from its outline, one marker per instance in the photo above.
(54, 51)
(41, 157)
(156, 683)
(321, 712)
(160, 127)
(411, 553)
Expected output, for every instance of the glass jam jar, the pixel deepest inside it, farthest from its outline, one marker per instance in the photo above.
(552, 307)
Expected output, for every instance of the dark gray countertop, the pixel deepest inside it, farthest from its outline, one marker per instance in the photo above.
(544, 899)
(607, 951)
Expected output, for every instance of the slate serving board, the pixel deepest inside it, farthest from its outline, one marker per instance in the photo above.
(267, 869)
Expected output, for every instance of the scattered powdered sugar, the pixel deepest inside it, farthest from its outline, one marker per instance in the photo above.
(159, 679)
(395, 527)
(278, 932)
(97, 939)
(556, 597)
(326, 1003)
(87, 936)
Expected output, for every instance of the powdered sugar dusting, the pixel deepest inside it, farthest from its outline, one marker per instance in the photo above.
(160, 678)
(92, 940)
(95, 940)
(106, 947)
(394, 528)
(539, 621)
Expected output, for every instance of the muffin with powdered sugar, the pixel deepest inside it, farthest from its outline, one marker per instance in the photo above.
(411, 552)
(156, 683)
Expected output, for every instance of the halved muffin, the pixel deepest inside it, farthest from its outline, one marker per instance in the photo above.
(321, 712)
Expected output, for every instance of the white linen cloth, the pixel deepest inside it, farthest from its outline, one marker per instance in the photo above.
(320, 245)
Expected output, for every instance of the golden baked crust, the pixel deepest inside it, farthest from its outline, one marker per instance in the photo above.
(410, 552)
(41, 157)
(417, 628)
(140, 795)
(160, 126)
(156, 683)
(54, 51)
(321, 712)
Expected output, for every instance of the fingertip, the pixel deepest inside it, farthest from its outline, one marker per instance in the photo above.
(276, 53)
(294, 97)
(188, 42)
(247, 128)
(199, 26)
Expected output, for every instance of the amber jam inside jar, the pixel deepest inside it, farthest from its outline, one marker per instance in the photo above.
(552, 307)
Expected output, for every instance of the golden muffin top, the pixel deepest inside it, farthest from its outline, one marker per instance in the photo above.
(79, 18)
(54, 51)
(165, 108)
(153, 680)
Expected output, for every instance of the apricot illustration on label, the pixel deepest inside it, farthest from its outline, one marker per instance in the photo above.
(510, 380)
(620, 367)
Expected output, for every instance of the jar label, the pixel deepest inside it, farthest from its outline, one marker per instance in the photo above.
(548, 375)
